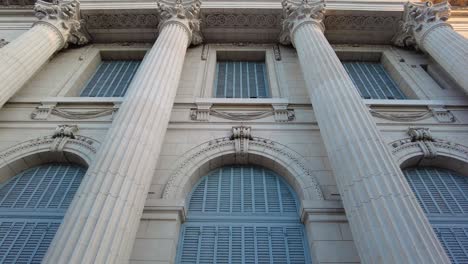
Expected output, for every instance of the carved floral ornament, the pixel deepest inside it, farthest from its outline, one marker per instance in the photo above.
(296, 13)
(187, 16)
(418, 20)
(64, 17)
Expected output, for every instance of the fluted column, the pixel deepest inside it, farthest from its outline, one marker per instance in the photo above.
(19, 60)
(424, 26)
(386, 221)
(102, 221)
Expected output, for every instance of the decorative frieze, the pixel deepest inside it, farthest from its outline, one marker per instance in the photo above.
(235, 20)
(346, 22)
(121, 20)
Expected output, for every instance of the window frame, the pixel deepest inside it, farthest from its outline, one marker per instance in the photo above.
(91, 59)
(207, 86)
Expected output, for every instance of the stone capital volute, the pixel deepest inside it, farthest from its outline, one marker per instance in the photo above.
(418, 20)
(296, 14)
(64, 18)
(186, 15)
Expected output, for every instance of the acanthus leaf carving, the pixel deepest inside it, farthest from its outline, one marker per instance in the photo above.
(418, 20)
(64, 18)
(296, 13)
(189, 16)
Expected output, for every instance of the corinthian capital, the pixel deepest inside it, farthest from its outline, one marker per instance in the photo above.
(64, 17)
(297, 13)
(418, 20)
(187, 15)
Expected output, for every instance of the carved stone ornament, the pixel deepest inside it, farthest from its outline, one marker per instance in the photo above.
(3, 42)
(189, 16)
(440, 113)
(241, 136)
(61, 136)
(296, 13)
(280, 112)
(46, 109)
(64, 17)
(418, 20)
(121, 21)
(301, 175)
(425, 143)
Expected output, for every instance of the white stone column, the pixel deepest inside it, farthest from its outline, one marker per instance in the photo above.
(386, 221)
(19, 60)
(101, 223)
(424, 26)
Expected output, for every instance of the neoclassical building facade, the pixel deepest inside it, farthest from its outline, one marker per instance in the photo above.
(233, 131)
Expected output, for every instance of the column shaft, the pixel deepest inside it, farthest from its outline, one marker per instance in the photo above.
(450, 50)
(24, 56)
(100, 224)
(386, 221)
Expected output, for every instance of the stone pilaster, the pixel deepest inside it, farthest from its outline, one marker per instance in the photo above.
(424, 27)
(386, 221)
(58, 25)
(102, 221)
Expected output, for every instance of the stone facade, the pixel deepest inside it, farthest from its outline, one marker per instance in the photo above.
(145, 151)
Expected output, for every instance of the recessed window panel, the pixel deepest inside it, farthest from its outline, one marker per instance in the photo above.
(443, 195)
(242, 214)
(372, 81)
(241, 79)
(32, 206)
(111, 78)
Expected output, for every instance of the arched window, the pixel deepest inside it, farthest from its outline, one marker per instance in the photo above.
(32, 206)
(242, 214)
(443, 195)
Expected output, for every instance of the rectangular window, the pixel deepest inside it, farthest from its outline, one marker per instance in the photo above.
(372, 81)
(111, 78)
(241, 79)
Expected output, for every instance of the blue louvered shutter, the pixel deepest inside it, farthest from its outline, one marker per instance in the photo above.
(372, 81)
(242, 214)
(241, 79)
(443, 195)
(111, 78)
(32, 205)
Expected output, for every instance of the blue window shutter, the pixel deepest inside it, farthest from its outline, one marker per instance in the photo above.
(372, 80)
(241, 79)
(242, 214)
(32, 205)
(111, 79)
(443, 195)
